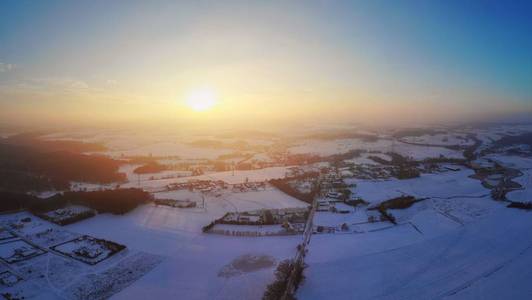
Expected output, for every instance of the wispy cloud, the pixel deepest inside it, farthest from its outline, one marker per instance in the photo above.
(53, 83)
(5, 67)
(50, 87)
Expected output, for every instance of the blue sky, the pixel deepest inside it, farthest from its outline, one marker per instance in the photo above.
(380, 52)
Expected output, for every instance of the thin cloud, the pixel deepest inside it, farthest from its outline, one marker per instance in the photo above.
(5, 67)
(54, 83)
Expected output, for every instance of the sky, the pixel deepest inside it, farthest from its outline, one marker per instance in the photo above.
(112, 62)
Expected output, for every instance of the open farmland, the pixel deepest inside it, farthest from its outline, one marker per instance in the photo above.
(394, 217)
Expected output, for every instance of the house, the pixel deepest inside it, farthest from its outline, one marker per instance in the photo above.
(334, 195)
(323, 205)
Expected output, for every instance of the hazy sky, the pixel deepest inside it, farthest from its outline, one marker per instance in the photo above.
(126, 61)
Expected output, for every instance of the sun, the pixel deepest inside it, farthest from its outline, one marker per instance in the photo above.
(201, 99)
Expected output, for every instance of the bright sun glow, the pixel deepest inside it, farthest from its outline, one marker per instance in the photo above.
(201, 99)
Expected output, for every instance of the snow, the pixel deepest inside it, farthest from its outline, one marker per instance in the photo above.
(335, 219)
(331, 147)
(192, 259)
(171, 149)
(403, 264)
(145, 143)
(524, 164)
(364, 159)
(46, 273)
(247, 175)
(525, 194)
(417, 152)
(239, 176)
(441, 139)
(421, 152)
(129, 169)
(438, 185)
(14, 251)
(455, 243)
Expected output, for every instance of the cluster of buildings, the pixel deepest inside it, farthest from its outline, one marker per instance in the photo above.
(198, 185)
(266, 217)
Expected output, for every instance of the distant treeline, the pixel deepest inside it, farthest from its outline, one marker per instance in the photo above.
(117, 201)
(151, 167)
(34, 139)
(15, 201)
(32, 164)
(343, 135)
(521, 205)
(303, 159)
(284, 186)
(417, 132)
(400, 202)
(510, 140)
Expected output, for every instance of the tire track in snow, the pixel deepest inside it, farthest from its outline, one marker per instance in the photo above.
(485, 274)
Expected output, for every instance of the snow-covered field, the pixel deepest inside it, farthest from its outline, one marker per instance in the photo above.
(324, 148)
(192, 260)
(440, 139)
(448, 184)
(171, 149)
(189, 263)
(465, 262)
(47, 262)
(455, 242)
(230, 177)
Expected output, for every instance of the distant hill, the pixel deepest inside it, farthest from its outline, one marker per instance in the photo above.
(34, 139)
(30, 164)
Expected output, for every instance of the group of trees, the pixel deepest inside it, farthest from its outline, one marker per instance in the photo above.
(29, 163)
(117, 201)
(356, 202)
(32, 165)
(284, 186)
(343, 134)
(15, 201)
(405, 172)
(401, 202)
(150, 167)
(276, 290)
(403, 167)
(521, 205)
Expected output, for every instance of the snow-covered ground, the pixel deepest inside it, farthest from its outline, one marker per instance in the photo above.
(49, 264)
(523, 164)
(462, 262)
(171, 149)
(364, 159)
(441, 139)
(193, 260)
(230, 177)
(455, 243)
(438, 185)
(191, 263)
(418, 152)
